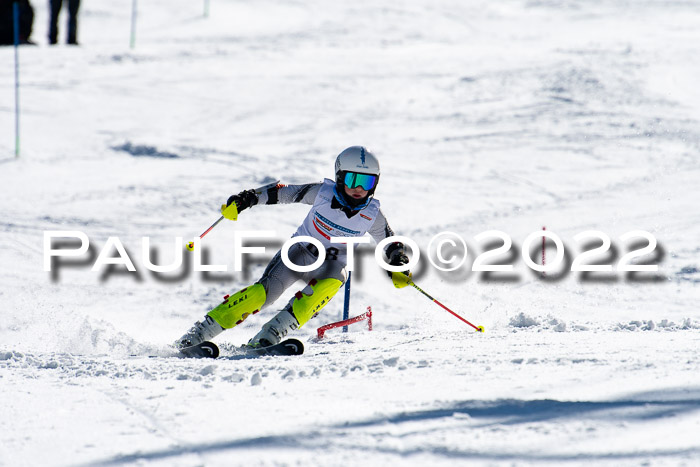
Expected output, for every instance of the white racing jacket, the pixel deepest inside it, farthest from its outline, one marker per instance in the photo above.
(327, 218)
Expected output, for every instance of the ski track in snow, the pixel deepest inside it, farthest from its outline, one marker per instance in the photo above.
(510, 115)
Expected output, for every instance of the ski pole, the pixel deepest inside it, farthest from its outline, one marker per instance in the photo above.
(258, 191)
(412, 284)
(190, 245)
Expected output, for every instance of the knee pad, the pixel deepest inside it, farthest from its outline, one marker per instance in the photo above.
(236, 308)
(308, 302)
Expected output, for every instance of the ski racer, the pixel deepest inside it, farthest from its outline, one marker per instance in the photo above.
(341, 208)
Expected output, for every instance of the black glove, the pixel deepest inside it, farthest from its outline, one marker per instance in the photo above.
(243, 200)
(397, 257)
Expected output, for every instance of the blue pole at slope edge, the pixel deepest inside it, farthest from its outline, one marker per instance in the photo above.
(15, 14)
(346, 305)
(134, 8)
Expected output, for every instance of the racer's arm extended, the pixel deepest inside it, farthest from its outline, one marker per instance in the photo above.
(279, 194)
(286, 194)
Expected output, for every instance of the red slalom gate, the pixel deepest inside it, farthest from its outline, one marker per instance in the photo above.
(364, 316)
(543, 249)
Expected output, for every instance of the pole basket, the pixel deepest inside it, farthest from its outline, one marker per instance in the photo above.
(364, 316)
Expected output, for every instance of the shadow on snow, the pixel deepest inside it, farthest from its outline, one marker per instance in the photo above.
(478, 413)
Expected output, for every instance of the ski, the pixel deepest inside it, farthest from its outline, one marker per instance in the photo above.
(204, 350)
(286, 347)
(210, 350)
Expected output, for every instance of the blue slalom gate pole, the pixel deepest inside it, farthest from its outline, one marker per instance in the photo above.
(346, 306)
(206, 8)
(15, 14)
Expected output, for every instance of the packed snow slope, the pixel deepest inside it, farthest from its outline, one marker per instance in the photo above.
(509, 116)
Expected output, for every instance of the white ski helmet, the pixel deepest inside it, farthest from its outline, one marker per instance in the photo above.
(356, 166)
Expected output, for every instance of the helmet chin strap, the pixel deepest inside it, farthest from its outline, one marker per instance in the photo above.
(341, 199)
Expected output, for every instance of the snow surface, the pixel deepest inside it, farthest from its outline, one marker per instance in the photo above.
(508, 115)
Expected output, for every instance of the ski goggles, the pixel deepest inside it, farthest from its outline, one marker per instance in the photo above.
(366, 181)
